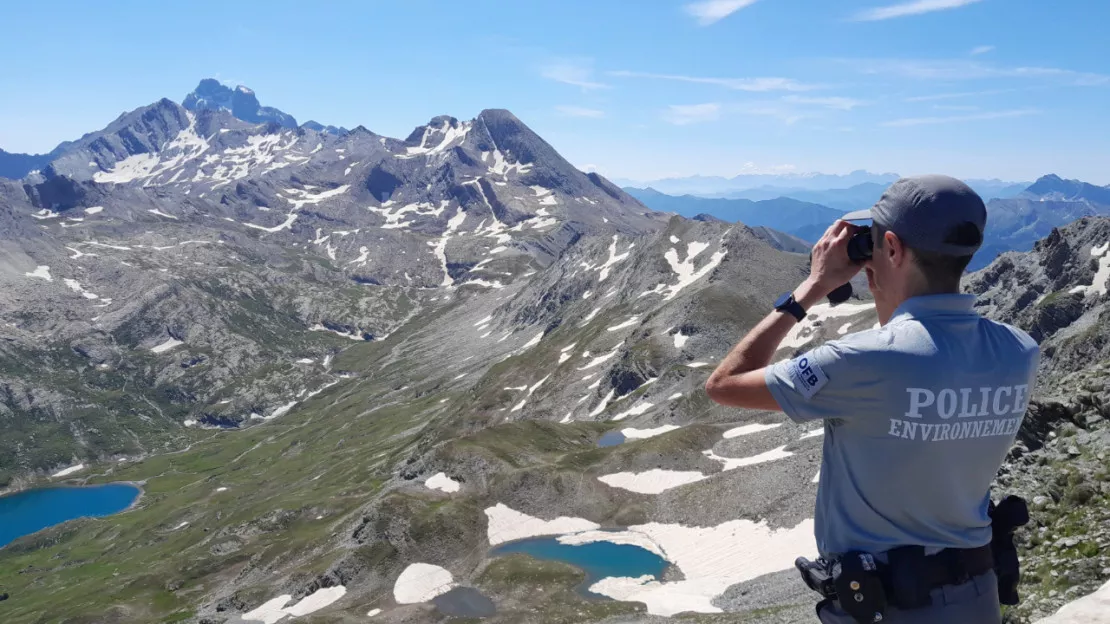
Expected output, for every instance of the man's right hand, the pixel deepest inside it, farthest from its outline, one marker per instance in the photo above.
(830, 266)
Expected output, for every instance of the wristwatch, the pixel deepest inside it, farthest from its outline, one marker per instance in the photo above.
(786, 303)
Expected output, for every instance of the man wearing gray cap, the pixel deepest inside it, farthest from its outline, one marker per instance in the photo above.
(918, 414)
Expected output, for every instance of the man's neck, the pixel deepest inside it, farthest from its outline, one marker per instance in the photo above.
(914, 290)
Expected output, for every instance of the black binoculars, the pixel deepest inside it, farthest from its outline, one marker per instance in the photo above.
(860, 246)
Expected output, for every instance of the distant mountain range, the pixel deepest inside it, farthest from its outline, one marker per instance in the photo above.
(804, 220)
(867, 193)
(1017, 215)
(834, 195)
(209, 95)
(716, 186)
(1056, 188)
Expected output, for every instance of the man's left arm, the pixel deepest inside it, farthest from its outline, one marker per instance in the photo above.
(740, 379)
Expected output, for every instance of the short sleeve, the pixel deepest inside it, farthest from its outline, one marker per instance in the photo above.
(830, 381)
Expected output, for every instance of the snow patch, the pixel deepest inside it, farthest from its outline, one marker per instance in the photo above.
(629, 323)
(613, 259)
(601, 359)
(166, 346)
(729, 463)
(503, 167)
(155, 211)
(274, 610)
(75, 286)
(640, 434)
(350, 335)
(634, 411)
(42, 272)
(270, 611)
(685, 269)
(712, 559)
(131, 168)
(508, 525)
(653, 481)
(590, 316)
(744, 430)
(451, 136)
(616, 537)
(281, 410)
(94, 210)
(679, 340)
(1099, 284)
(68, 471)
(420, 582)
(440, 481)
(287, 224)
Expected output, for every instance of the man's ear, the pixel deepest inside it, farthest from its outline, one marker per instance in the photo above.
(894, 248)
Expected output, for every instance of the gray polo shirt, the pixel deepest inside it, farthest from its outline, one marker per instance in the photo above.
(918, 416)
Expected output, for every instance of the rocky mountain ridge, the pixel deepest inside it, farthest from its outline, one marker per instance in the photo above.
(188, 253)
(1061, 464)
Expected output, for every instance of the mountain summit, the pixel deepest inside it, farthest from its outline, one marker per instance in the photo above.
(1054, 187)
(241, 102)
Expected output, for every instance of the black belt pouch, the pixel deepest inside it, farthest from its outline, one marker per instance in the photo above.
(909, 585)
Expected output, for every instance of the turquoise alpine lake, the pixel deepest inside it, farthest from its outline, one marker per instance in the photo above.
(24, 513)
(597, 559)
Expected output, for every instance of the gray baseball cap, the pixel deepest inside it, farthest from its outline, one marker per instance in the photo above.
(931, 212)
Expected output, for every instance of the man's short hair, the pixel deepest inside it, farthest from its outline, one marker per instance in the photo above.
(942, 272)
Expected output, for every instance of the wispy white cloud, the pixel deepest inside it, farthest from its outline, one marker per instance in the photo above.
(917, 7)
(686, 114)
(983, 49)
(785, 114)
(579, 111)
(922, 121)
(577, 72)
(954, 96)
(833, 102)
(736, 84)
(711, 11)
(964, 69)
(955, 107)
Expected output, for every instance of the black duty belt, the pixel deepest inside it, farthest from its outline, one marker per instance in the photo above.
(865, 586)
(953, 566)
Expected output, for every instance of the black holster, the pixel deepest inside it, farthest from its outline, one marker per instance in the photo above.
(1010, 513)
(852, 579)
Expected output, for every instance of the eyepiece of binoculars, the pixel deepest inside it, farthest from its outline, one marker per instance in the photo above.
(860, 246)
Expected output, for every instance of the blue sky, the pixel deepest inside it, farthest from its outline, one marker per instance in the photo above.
(636, 89)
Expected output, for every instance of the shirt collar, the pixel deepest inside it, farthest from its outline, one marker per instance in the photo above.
(926, 306)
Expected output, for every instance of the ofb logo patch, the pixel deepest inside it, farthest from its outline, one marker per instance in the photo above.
(808, 376)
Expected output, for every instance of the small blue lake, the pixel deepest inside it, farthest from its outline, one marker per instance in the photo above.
(611, 438)
(24, 513)
(598, 559)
